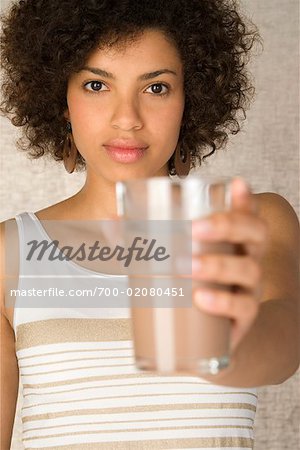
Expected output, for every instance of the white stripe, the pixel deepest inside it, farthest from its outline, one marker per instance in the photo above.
(65, 346)
(61, 357)
(29, 315)
(95, 362)
(89, 274)
(156, 389)
(73, 375)
(138, 425)
(145, 379)
(213, 414)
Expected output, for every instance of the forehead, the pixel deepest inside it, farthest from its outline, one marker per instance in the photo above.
(150, 48)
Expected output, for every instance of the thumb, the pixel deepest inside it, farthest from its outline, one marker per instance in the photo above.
(241, 196)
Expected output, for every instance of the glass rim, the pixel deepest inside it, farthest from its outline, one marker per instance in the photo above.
(208, 178)
(136, 184)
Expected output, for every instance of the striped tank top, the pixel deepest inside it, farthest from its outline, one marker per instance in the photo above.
(82, 390)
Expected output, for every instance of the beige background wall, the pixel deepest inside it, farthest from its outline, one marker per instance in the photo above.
(266, 153)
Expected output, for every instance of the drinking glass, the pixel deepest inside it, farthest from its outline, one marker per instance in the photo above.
(170, 333)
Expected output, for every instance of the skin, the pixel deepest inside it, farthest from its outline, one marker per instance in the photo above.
(126, 108)
(264, 311)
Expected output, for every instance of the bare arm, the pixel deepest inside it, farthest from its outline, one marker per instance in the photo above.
(9, 373)
(268, 352)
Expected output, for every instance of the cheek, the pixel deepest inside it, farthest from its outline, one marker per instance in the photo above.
(83, 109)
(83, 113)
(168, 121)
(86, 125)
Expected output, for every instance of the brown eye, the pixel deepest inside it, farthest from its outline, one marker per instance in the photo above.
(95, 86)
(158, 89)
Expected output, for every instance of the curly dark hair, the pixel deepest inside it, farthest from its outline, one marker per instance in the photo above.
(43, 42)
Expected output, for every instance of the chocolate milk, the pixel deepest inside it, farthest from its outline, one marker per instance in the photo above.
(196, 336)
(180, 339)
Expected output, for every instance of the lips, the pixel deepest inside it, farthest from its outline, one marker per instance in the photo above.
(125, 150)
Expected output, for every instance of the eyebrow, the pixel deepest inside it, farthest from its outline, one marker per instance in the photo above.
(144, 77)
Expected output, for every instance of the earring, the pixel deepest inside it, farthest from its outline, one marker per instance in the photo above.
(70, 151)
(182, 162)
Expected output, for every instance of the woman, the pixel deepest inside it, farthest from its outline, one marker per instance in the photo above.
(126, 90)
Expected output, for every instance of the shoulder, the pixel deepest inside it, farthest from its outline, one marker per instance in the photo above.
(64, 210)
(8, 232)
(273, 201)
(282, 258)
(279, 215)
(9, 243)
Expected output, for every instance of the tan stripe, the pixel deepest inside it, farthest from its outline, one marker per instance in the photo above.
(146, 420)
(54, 331)
(155, 383)
(21, 358)
(161, 444)
(74, 368)
(76, 360)
(95, 378)
(105, 387)
(143, 395)
(148, 408)
(84, 433)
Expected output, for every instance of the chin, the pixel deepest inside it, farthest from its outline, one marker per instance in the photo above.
(131, 173)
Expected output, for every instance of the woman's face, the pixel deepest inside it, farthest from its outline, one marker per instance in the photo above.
(126, 106)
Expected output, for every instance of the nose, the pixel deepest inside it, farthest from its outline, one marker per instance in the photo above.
(127, 115)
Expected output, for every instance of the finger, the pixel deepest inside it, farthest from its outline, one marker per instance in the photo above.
(241, 196)
(243, 271)
(241, 307)
(236, 227)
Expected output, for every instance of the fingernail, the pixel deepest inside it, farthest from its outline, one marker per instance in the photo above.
(206, 299)
(196, 265)
(202, 227)
(242, 186)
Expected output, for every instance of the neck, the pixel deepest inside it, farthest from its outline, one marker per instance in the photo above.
(97, 198)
